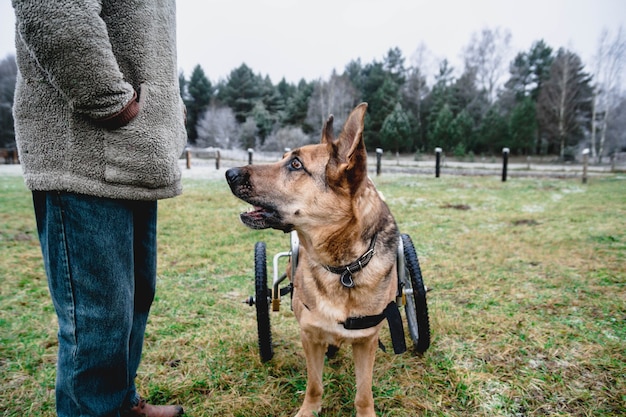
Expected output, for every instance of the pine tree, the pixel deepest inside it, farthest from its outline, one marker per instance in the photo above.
(297, 106)
(540, 59)
(523, 126)
(463, 136)
(264, 120)
(241, 91)
(199, 94)
(528, 73)
(396, 130)
(440, 97)
(493, 134)
(441, 134)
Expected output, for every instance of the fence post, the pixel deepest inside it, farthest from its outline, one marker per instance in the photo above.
(585, 163)
(188, 157)
(505, 161)
(613, 158)
(250, 152)
(437, 162)
(217, 159)
(379, 154)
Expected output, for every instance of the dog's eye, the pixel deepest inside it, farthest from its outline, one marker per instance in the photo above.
(295, 164)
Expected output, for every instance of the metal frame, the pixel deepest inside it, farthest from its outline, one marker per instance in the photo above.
(293, 254)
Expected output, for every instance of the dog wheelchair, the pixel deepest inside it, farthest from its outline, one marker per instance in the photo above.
(411, 293)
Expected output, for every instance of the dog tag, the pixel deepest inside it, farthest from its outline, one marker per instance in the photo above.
(346, 279)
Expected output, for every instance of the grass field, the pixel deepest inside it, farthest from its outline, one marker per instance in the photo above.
(527, 308)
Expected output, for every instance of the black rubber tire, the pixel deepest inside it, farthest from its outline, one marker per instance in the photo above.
(415, 308)
(261, 301)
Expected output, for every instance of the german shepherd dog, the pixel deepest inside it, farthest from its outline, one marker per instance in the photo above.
(346, 273)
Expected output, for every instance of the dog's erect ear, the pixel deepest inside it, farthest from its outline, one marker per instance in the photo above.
(348, 162)
(350, 145)
(328, 136)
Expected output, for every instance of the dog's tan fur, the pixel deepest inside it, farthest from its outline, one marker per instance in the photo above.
(324, 193)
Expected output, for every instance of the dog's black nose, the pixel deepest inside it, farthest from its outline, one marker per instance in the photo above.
(233, 175)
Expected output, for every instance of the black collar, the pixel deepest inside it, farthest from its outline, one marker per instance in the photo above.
(346, 271)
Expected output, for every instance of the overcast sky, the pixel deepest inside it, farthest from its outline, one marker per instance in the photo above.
(308, 39)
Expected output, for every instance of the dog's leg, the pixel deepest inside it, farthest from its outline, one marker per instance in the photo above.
(314, 353)
(364, 355)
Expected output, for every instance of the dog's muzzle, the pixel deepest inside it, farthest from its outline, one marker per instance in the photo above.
(235, 177)
(264, 214)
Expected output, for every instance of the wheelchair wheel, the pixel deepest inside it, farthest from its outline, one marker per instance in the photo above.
(261, 301)
(415, 308)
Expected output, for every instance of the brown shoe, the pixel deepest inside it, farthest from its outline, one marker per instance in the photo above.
(143, 409)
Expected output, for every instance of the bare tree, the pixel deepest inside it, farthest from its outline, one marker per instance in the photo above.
(415, 90)
(616, 129)
(609, 60)
(564, 101)
(218, 127)
(336, 96)
(488, 54)
(286, 137)
(423, 60)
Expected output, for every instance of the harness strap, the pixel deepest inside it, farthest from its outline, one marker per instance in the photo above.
(363, 322)
(395, 327)
(392, 313)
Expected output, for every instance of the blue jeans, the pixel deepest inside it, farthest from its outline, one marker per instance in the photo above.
(100, 259)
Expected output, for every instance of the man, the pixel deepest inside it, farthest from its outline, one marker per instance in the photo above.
(99, 125)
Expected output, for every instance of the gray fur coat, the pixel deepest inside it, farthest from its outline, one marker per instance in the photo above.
(97, 104)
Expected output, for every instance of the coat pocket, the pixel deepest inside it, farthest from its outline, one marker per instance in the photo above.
(145, 152)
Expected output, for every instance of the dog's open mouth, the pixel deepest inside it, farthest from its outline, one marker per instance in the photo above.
(264, 217)
(259, 217)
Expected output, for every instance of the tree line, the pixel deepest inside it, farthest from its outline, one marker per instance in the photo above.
(544, 101)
